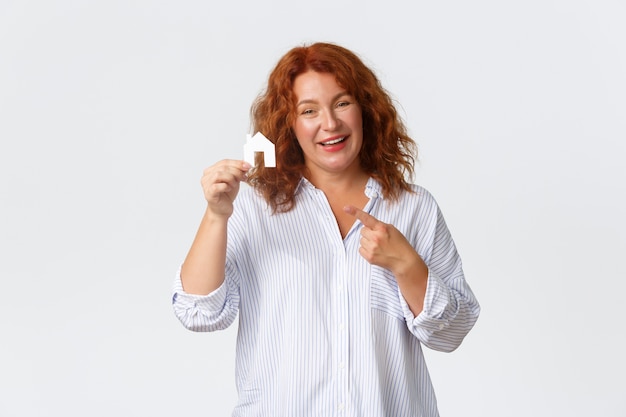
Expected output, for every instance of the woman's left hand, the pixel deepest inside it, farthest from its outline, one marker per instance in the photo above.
(383, 245)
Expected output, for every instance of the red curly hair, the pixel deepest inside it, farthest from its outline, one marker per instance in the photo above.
(387, 154)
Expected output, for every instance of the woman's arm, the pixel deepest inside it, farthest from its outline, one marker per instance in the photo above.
(203, 269)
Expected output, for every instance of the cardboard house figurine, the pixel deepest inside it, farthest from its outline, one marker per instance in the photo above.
(259, 143)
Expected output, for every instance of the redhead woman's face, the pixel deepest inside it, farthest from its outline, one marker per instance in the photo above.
(329, 125)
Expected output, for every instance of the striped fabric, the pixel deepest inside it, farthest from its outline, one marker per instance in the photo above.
(321, 331)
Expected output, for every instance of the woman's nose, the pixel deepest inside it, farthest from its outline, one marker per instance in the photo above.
(330, 120)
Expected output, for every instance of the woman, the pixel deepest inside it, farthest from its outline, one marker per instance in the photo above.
(340, 269)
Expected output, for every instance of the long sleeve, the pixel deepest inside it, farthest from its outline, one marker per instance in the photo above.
(450, 307)
(206, 313)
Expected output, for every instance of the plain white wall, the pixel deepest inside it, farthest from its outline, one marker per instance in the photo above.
(110, 110)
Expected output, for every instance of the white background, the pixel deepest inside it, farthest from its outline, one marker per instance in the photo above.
(109, 111)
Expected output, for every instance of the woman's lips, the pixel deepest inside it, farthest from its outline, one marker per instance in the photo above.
(333, 141)
(334, 144)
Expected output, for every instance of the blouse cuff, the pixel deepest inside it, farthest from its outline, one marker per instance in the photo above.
(436, 302)
(214, 301)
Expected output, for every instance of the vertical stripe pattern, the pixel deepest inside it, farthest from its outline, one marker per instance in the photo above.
(321, 331)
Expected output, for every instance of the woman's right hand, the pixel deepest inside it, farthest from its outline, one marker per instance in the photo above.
(220, 184)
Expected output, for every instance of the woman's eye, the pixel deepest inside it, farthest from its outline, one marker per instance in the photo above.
(307, 112)
(343, 104)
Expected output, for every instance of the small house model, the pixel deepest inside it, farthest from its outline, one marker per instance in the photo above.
(259, 143)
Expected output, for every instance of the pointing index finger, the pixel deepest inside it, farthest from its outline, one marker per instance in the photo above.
(367, 219)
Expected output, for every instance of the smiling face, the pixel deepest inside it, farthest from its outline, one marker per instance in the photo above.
(328, 126)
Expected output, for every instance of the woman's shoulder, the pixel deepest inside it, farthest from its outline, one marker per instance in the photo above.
(249, 197)
(420, 195)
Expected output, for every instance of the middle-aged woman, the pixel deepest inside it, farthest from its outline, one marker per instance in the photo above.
(339, 268)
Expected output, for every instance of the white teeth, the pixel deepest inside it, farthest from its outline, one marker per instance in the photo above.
(332, 142)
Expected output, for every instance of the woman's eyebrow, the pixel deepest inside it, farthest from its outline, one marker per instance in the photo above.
(335, 97)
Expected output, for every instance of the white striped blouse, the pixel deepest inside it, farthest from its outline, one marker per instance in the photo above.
(321, 331)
